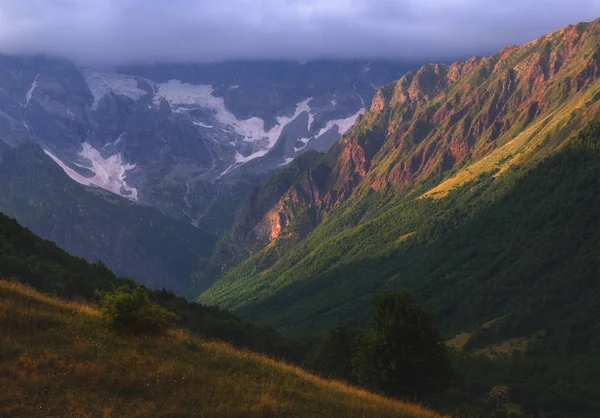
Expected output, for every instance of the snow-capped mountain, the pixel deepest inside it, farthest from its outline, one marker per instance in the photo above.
(169, 135)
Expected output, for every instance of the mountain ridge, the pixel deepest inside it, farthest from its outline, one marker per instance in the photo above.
(425, 124)
(434, 133)
(97, 225)
(188, 140)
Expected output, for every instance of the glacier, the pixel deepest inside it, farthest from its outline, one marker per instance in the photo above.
(101, 84)
(109, 173)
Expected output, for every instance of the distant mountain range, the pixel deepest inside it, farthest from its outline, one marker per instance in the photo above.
(188, 140)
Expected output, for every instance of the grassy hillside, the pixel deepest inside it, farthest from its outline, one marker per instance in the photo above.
(41, 264)
(494, 246)
(510, 264)
(58, 358)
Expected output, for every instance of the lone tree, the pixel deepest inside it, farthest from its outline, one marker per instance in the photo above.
(403, 354)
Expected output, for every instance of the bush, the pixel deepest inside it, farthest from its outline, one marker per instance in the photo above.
(131, 309)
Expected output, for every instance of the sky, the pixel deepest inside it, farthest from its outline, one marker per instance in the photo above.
(127, 31)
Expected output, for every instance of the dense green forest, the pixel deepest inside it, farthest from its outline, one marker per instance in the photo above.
(510, 262)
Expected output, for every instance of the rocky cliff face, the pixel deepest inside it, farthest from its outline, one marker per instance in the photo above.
(132, 240)
(166, 135)
(441, 119)
(188, 140)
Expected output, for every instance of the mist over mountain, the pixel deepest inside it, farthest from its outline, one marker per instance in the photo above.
(125, 31)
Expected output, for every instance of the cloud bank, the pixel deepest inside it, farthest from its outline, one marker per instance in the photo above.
(124, 31)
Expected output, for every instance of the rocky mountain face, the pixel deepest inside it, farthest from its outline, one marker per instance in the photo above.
(134, 240)
(188, 140)
(474, 186)
(470, 184)
(449, 122)
(164, 135)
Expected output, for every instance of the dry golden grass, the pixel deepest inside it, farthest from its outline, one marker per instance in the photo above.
(459, 340)
(505, 348)
(404, 237)
(58, 359)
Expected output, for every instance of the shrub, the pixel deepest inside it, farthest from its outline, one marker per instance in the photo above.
(131, 309)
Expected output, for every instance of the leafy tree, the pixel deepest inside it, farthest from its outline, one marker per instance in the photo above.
(131, 309)
(333, 355)
(403, 355)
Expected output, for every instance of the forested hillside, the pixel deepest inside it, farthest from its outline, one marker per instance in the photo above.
(474, 186)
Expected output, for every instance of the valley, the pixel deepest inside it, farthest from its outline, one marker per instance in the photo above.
(325, 237)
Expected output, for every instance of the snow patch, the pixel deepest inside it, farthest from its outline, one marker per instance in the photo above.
(69, 171)
(275, 132)
(234, 87)
(362, 102)
(117, 141)
(203, 125)
(304, 141)
(343, 125)
(109, 173)
(32, 88)
(101, 84)
(184, 97)
(286, 162)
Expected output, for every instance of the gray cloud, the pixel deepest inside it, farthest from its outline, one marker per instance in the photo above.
(118, 31)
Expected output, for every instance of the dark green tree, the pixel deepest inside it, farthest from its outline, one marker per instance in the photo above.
(334, 353)
(403, 355)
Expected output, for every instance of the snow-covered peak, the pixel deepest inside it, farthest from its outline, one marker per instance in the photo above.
(101, 84)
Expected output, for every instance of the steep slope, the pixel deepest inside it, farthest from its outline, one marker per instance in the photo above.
(164, 134)
(133, 240)
(440, 150)
(28, 259)
(442, 120)
(58, 358)
(187, 139)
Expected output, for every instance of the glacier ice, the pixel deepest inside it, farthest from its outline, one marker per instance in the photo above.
(109, 173)
(101, 84)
